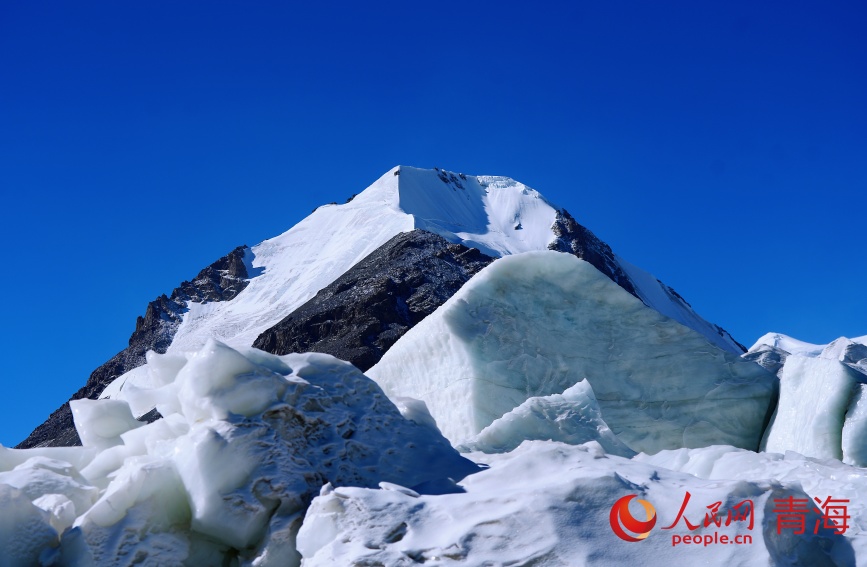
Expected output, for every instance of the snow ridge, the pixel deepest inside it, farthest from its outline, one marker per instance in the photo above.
(497, 215)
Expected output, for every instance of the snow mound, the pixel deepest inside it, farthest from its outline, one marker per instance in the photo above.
(535, 324)
(571, 417)
(550, 504)
(247, 440)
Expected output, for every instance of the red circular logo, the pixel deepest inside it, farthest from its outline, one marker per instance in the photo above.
(621, 518)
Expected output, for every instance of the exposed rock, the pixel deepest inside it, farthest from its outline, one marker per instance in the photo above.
(362, 313)
(574, 238)
(221, 281)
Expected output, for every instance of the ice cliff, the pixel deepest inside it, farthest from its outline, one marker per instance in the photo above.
(536, 324)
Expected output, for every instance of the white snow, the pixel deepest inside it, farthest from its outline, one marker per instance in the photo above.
(535, 324)
(246, 442)
(659, 296)
(788, 344)
(481, 212)
(497, 215)
(547, 503)
(817, 478)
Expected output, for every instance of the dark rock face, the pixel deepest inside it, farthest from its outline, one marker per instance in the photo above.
(573, 238)
(362, 314)
(221, 281)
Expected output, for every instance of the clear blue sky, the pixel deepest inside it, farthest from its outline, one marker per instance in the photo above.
(720, 145)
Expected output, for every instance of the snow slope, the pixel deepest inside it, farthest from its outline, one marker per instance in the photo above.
(497, 215)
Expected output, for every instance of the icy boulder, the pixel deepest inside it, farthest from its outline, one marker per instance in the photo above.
(26, 535)
(571, 417)
(819, 400)
(246, 442)
(548, 503)
(538, 323)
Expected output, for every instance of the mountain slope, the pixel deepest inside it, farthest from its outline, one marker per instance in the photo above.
(496, 215)
(221, 281)
(366, 310)
(270, 281)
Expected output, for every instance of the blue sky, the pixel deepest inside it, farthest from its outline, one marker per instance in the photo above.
(720, 145)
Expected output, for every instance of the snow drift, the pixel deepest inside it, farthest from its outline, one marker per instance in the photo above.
(547, 503)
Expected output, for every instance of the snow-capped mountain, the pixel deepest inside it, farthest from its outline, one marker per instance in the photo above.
(243, 297)
(517, 399)
(496, 215)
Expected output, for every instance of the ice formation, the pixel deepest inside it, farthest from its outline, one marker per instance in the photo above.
(571, 417)
(247, 440)
(547, 503)
(822, 410)
(301, 460)
(477, 211)
(535, 324)
(551, 374)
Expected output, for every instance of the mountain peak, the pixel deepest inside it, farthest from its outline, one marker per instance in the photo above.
(497, 216)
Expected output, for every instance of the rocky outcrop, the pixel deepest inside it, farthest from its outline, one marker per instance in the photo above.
(221, 281)
(361, 314)
(574, 238)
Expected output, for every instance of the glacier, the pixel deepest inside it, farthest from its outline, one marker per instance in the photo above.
(822, 410)
(248, 293)
(537, 323)
(302, 460)
(502, 429)
(548, 503)
(497, 215)
(245, 443)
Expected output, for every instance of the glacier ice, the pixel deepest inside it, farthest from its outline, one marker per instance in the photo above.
(822, 410)
(247, 441)
(853, 438)
(535, 324)
(547, 503)
(100, 423)
(815, 394)
(208, 486)
(26, 535)
(571, 417)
